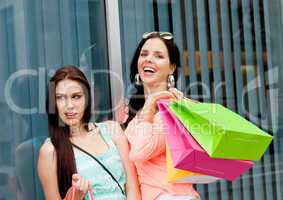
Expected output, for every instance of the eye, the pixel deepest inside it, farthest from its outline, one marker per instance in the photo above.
(159, 56)
(143, 54)
(77, 96)
(60, 97)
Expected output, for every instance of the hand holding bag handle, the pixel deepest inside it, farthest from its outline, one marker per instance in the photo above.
(71, 194)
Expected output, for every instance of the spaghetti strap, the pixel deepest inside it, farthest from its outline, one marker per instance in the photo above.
(105, 133)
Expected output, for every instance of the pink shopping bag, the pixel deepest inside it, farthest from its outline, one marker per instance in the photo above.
(187, 154)
(184, 176)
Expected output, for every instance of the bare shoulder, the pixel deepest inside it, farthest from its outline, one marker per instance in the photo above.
(47, 150)
(116, 131)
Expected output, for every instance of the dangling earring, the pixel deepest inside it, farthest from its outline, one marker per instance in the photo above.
(170, 81)
(138, 80)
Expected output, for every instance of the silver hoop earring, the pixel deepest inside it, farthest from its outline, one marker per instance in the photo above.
(170, 81)
(138, 80)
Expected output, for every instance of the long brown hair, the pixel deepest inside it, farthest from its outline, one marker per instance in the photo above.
(59, 132)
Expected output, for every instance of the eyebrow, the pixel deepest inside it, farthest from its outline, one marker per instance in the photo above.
(145, 50)
(74, 93)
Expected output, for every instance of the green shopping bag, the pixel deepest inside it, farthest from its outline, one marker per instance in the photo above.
(221, 132)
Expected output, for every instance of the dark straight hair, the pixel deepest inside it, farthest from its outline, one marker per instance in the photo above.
(136, 100)
(59, 132)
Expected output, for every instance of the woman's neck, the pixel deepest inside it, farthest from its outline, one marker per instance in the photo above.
(77, 130)
(148, 90)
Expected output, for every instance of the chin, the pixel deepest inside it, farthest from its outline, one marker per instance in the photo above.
(71, 122)
(152, 83)
(149, 82)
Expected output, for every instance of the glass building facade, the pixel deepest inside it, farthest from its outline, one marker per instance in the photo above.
(231, 53)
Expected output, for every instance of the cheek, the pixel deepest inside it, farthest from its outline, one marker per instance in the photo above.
(61, 112)
(165, 63)
(60, 107)
(81, 105)
(167, 66)
(139, 65)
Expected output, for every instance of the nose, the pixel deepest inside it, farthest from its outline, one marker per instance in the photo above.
(149, 58)
(69, 104)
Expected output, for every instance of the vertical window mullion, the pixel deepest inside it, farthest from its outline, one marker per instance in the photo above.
(178, 35)
(191, 50)
(266, 160)
(272, 79)
(202, 32)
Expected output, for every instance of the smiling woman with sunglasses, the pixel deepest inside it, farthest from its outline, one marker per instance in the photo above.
(153, 73)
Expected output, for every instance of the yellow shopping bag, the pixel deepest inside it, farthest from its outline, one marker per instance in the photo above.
(175, 175)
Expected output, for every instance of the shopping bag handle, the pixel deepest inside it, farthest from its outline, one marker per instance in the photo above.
(191, 100)
(72, 192)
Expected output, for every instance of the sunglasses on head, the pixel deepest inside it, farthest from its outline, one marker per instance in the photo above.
(164, 35)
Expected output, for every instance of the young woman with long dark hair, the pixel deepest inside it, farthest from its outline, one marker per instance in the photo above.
(153, 72)
(80, 153)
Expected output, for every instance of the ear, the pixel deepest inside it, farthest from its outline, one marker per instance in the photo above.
(172, 68)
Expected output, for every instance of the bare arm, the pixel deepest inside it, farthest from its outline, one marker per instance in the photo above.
(46, 168)
(132, 185)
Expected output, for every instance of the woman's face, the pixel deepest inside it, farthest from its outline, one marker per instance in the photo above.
(154, 64)
(70, 101)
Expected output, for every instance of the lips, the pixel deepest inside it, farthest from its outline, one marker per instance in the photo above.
(149, 70)
(70, 115)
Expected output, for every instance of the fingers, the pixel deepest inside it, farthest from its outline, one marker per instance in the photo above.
(177, 93)
(180, 95)
(80, 183)
(89, 185)
(83, 186)
(76, 177)
(91, 126)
